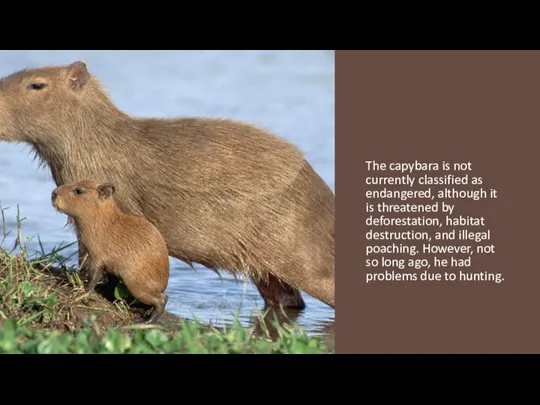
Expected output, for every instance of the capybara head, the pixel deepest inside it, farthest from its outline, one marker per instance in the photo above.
(37, 101)
(82, 198)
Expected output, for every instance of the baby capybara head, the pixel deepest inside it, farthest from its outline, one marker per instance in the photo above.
(34, 102)
(83, 198)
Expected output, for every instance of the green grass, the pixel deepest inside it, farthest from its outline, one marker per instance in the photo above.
(39, 315)
(190, 338)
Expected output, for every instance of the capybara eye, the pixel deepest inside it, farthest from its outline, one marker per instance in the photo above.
(78, 191)
(37, 86)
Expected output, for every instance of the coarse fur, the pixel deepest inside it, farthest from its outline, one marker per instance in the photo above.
(224, 194)
(126, 246)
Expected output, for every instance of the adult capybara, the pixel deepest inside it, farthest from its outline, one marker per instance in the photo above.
(126, 246)
(224, 194)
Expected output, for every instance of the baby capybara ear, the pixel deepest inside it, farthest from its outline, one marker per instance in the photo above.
(78, 75)
(106, 190)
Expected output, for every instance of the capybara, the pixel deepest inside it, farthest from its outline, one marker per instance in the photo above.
(225, 194)
(128, 247)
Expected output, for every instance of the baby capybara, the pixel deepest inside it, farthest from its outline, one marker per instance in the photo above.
(126, 246)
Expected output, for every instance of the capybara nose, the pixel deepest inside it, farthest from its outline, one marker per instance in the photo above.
(53, 196)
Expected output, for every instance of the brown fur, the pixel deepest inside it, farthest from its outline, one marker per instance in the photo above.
(224, 194)
(128, 247)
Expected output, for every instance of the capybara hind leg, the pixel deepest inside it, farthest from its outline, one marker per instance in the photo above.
(158, 302)
(276, 293)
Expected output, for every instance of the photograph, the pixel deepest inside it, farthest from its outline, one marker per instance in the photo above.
(167, 202)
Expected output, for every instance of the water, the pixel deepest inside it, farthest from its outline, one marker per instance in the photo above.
(289, 92)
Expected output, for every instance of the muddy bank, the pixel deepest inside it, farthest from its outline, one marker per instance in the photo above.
(46, 296)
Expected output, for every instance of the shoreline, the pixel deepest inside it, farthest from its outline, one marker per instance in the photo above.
(38, 305)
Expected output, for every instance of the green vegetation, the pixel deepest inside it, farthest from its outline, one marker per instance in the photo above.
(190, 338)
(40, 313)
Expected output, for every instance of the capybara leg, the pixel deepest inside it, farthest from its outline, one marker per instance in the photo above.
(83, 260)
(159, 310)
(95, 273)
(158, 303)
(276, 293)
(156, 313)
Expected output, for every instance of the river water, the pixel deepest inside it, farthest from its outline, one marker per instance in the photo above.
(288, 92)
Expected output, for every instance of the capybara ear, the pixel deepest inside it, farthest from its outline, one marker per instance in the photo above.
(105, 190)
(78, 75)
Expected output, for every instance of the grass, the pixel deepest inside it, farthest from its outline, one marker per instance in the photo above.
(190, 338)
(39, 315)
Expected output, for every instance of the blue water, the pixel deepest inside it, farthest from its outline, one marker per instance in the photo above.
(288, 92)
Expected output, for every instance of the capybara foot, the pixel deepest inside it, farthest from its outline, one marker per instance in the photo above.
(279, 294)
(157, 311)
(155, 315)
(83, 297)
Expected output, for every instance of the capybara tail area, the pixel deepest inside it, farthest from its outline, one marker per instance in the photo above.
(294, 240)
(322, 289)
(290, 239)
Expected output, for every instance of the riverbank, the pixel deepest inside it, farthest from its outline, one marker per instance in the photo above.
(40, 313)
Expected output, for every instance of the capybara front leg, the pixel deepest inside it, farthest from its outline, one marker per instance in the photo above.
(158, 309)
(95, 273)
(83, 261)
(276, 293)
